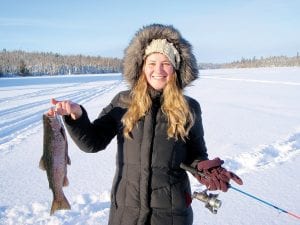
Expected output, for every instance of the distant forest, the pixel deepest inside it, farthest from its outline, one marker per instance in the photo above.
(38, 63)
(272, 61)
(21, 63)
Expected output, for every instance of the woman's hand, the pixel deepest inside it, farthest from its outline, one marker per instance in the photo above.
(64, 108)
(217, 177)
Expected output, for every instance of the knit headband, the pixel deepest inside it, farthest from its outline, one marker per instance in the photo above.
(166, 48)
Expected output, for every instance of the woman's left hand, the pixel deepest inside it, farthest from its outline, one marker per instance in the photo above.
(216, 176)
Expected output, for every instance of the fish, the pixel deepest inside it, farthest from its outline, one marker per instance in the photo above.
(55, 159)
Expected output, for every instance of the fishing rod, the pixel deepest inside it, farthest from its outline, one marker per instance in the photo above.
(213, 206)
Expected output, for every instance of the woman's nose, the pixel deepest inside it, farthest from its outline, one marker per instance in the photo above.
(158, 68)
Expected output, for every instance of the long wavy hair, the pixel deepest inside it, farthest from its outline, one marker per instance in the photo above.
(174, 106)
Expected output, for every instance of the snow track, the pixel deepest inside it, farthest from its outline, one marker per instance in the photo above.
(21, 113)
(267, 156)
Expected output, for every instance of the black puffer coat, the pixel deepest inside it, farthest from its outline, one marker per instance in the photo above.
(149, 185)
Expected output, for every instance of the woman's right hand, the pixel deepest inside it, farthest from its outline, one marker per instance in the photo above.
(66, 107)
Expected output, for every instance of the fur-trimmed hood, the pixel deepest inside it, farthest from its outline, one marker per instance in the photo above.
(134, 53)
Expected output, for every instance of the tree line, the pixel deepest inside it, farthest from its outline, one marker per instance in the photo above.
(272, 61)
(47, 63)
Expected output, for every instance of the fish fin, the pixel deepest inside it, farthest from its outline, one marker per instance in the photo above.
(66, 181)
(59, 205)
(42, 164)
(68, 160)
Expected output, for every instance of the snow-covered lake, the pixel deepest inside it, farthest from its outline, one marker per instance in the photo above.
(251, 119)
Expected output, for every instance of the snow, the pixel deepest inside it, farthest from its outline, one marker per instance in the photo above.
(251, 120)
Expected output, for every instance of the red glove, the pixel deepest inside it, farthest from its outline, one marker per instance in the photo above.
(216, 177)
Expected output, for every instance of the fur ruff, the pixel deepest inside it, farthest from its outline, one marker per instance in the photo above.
(134, 53)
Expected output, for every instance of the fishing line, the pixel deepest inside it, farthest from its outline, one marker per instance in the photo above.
(195, 171)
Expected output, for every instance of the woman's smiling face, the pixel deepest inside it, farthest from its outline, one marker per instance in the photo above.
(158, 70)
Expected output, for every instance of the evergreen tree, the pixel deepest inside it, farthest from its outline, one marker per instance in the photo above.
(23, 71)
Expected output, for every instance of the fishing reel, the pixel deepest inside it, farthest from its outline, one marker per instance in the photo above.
(211, 200)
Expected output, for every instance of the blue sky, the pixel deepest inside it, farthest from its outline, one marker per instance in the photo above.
(219, 30)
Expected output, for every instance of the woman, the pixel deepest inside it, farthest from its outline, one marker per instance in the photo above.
(157, 129)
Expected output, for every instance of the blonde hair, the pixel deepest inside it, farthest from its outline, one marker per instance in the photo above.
(174, 106)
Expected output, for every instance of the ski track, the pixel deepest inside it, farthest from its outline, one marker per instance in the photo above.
(34, 93)
(19, 121)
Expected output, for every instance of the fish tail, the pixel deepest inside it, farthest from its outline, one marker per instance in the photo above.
(59, 204)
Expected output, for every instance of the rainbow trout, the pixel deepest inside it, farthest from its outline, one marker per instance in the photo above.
(55, 159)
